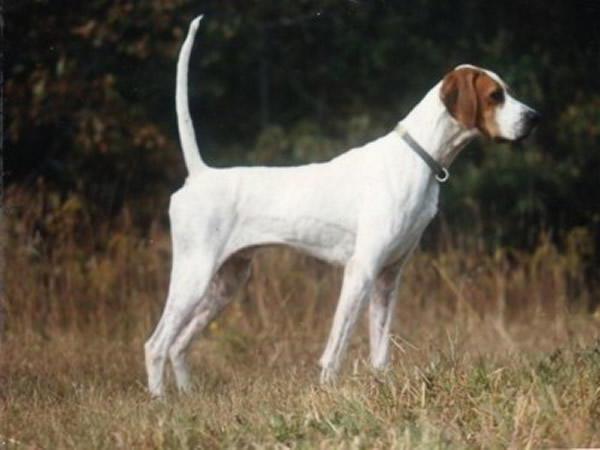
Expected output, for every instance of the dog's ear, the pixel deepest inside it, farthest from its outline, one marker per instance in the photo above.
(459, 95)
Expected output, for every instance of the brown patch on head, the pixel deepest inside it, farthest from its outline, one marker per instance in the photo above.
(471, 97)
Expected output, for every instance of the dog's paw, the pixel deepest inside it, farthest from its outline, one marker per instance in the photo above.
(328, 376)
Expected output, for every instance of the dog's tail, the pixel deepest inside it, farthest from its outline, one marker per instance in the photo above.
(191, 154)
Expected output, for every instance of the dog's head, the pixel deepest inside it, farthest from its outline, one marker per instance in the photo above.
(479, 99)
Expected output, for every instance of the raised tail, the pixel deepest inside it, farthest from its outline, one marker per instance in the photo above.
(191, 154)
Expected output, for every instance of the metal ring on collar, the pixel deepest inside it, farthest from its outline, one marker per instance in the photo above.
(443, 177)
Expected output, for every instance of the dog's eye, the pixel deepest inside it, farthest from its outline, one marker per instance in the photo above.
(497, 95)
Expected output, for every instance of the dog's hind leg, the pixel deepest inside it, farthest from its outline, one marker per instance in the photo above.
(196, 252)
(190, 279)
(230, 278)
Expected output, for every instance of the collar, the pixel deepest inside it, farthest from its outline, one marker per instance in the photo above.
(440, 172)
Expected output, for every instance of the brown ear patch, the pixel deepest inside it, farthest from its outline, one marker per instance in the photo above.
(465, 92)
(460, 97)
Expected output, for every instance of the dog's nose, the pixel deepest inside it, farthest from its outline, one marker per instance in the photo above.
(533, 118)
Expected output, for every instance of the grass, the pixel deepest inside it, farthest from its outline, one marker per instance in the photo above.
(493, 349)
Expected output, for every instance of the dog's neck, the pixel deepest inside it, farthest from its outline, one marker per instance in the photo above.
(432, 126)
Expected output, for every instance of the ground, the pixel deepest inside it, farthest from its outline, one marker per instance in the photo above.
(490, 350)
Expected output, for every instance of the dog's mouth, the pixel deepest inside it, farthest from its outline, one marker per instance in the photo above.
(503, 140)
(524, 135)
(517, 140)
(532, 119)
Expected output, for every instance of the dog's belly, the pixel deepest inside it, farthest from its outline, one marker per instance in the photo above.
(327, 241)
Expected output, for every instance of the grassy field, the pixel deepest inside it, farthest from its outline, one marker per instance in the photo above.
(492, 349)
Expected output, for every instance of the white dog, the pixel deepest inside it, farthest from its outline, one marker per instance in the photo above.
(365, 210)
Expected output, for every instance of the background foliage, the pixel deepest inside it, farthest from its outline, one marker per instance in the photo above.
(89, 94)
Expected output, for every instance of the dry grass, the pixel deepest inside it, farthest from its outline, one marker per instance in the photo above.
(493, 349)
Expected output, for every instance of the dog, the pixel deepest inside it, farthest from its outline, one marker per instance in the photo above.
(365, 210)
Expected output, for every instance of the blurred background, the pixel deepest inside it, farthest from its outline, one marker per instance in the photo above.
(91, 149)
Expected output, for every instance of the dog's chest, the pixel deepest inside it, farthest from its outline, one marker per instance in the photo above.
(411, 221)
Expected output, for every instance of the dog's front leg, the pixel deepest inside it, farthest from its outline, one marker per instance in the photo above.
(381, 311)
(358, 281)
